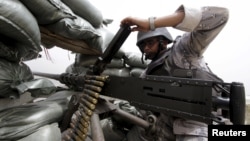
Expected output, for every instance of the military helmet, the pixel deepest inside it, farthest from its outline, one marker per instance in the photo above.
(157, 32)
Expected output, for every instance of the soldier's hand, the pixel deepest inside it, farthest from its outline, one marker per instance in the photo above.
(138, 24)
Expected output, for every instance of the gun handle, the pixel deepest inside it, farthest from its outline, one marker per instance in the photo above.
(237, 103)
(72, 107)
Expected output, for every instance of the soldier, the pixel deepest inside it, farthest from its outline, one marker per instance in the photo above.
(183, 59)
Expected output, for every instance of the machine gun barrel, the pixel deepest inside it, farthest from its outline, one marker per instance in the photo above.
(64, 78)
(48, 75)
(111, 50)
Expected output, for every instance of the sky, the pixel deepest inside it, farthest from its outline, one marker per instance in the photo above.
(227, 55)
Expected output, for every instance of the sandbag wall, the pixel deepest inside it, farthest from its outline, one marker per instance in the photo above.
(21, 21)
(124, 64)
(75, 25)
(75, 21)
(19, 41)
(19, 35)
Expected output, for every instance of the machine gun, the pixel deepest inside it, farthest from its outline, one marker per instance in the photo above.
(180, 97)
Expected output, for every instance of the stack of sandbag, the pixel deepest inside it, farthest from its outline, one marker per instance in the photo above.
(76, 25)
(21, 22)
(126, 65)
(17, 78)
(19, 34)
(19, 41)
(135, 62)
(84, 62)
(73, 25)
(11, 75)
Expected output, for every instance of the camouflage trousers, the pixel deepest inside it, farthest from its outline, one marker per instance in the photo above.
(167, 128)
(171, 129)
(189, 130)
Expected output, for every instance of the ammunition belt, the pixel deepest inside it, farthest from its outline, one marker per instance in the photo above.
(80, 121)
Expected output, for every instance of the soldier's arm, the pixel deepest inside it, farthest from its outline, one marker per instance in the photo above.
(202, 26)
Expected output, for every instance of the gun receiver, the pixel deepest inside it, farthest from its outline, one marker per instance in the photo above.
(180, 97)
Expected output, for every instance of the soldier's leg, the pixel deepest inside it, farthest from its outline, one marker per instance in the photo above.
(189, 130)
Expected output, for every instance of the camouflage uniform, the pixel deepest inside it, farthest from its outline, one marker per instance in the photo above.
(186, 54)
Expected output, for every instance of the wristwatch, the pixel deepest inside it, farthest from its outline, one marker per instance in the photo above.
(151, 23)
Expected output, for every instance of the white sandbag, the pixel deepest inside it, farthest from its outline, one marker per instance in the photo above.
(136, 72)
(20, 30)
(133, 59)
(122, 72)
(120, 53)
(86, 10)
(48, 11)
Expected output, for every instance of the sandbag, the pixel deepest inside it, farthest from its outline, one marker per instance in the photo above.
(8, 53)
(102, 42)
(11, 75)
(77, 28)
(86, 10)
(50, 39)
(15, 51)
(81, 70)
(89, 60)
(85, 60)
(72, 68)
(121, 53)
(21, 121)
(48, 11)
(136, 72)
(41, 87)
(19, 31)
(122, 72)
(133, 59)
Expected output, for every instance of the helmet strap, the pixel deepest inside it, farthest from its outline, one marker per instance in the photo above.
(142, 59)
